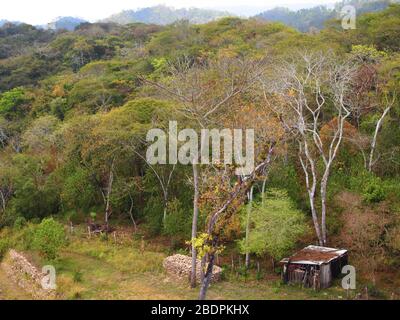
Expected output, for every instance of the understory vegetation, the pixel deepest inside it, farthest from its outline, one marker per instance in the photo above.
(75, 110)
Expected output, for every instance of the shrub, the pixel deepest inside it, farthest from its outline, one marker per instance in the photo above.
(374, 191)
(276, 225)
(78, 191)
(375, 292)
(93, 216)
(4, 246)
(78, 276)
(24, 240)
(49, 237)
(178, 221)
(154, 216)
(74, 217)
(19, 223)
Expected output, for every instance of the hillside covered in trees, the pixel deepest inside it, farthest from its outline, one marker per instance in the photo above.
(316, 17)
(163, 15)
(76, 107)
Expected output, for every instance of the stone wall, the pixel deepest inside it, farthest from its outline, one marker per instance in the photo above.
(24, 274)
(179, 267)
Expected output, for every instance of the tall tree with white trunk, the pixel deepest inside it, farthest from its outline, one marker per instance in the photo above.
(312, 92)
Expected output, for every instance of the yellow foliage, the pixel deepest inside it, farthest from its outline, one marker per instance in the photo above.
(58, 91)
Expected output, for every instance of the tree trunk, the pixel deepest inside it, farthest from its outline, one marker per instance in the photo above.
(207, 278)
(324, 184)
(202, 267)
(244, 186)
(249, 207)
(194, 223)
(315, 218)
(263, 191)
(131, 214)
(3, 201)
(165, 213)
(374, 140)
(108, 194)
(311, 186)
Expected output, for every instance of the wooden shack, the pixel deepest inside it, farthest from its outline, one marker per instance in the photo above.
(314, 267)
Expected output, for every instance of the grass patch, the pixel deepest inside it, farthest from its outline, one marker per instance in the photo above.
(104, 269)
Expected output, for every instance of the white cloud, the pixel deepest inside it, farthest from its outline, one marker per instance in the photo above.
(43, 11)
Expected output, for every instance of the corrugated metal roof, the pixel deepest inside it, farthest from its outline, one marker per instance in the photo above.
(315, 255)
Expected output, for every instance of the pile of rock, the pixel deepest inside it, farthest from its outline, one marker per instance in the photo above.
(26, 276)
(179, 267)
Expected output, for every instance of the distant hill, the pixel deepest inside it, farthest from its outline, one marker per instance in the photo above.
(163, 15)
(20, 38)
(3, 22)
(64, 23)
(303, 19)
(306, 19)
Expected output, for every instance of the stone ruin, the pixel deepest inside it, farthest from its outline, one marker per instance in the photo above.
(26, 276)
(179, 267)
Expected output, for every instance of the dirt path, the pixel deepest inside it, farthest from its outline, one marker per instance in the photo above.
(9, 290)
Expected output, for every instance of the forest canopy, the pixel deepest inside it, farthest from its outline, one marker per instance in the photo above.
(76, 106)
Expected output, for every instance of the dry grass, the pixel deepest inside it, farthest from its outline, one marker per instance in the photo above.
(121, 271)
(102, 269)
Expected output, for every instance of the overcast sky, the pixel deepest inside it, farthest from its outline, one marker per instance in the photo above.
(43, 11)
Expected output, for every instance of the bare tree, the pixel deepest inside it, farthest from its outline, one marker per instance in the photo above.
(314, 87)
(6, 189)
(388, 106)
(106, 192)
(249, 209)
(368, 96)
(5, 195)
(3, 137)
(201, 90)
(164, 179)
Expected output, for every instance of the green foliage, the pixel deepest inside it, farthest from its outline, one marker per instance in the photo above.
(37, 194)
(59, 107)
(49, 238)
(374, 191)
(357, 179)
(146, 110)
(276, 226)
(316, 17)
(74, 108)
(11, 101)
(178, 221)
(380, 28)
(368, 54)
(4, 246)
(375, 292)
(153, 212)
(19, 223)
(159, 64)
(78, 191)
(16, 37)
(93, 215)
(75, 217)
(203, 246)
(285, 176)
(303, 19)
(78, 276)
